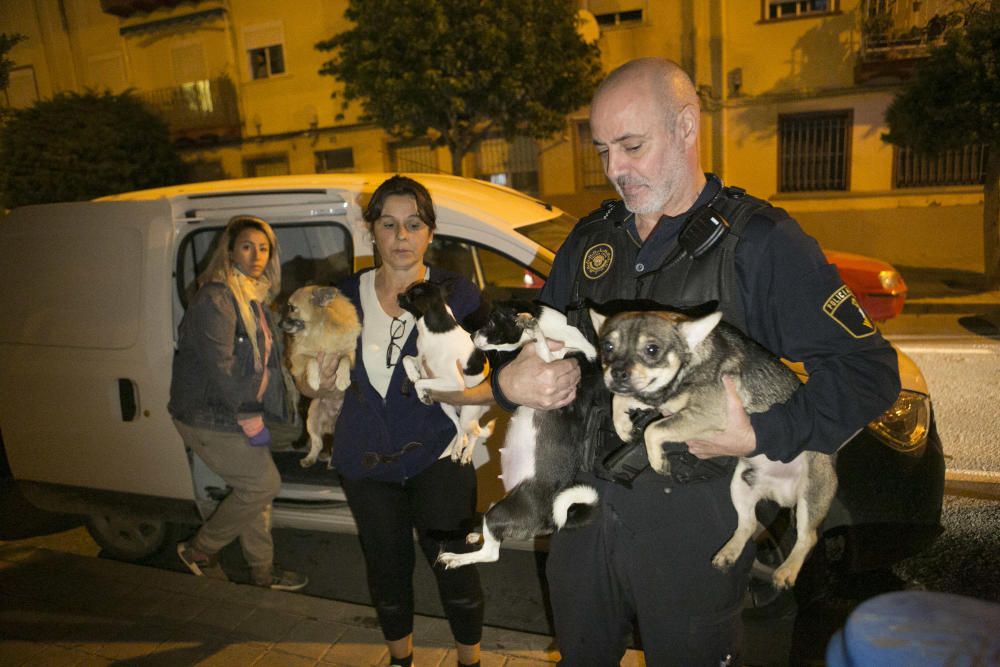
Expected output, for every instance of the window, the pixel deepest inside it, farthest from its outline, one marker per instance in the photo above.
(205, 170)
(591, 167)
(266, 165)
(511, 163)
(500, 277)
(785, 9)
(22, 90)
(813, 151)
(338, 159)
(416, 156)
(187, 60)
(265, 50)
(963, 166)
(311, 254)
(612, 13)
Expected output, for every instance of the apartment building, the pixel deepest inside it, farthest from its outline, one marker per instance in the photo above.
(794, 94)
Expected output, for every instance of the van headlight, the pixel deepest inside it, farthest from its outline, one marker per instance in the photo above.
(904, 426)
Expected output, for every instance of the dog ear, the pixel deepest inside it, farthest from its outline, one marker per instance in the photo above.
(695, 331)
(597, 320)
(324, 295)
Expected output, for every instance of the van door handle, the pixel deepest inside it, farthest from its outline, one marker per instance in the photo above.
(126, 398)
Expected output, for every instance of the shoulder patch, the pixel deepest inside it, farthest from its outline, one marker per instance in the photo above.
(597, 260)
(844, 309)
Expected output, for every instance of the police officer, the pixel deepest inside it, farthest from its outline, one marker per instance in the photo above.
(680, 238)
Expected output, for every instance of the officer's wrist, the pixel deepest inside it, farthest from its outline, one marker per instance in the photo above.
(498, 395)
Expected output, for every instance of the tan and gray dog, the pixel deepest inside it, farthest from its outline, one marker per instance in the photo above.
(675, 365)
(321, 319)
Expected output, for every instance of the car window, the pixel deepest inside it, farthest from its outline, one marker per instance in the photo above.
(311, 253)
(550, 233)
(498, 276)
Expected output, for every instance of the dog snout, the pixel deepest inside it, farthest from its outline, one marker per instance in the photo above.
(291, 325)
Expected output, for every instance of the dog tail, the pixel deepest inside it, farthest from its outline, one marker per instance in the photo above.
(563, 513)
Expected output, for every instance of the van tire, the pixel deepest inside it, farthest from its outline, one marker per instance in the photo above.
(128, 537)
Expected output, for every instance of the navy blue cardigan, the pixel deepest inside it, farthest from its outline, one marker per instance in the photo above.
(372, 433)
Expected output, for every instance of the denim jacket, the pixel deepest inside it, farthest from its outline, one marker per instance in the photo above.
(398, 437)
(214, 381)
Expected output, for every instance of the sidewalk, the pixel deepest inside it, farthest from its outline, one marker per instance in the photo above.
(946, 291)
(65, 609)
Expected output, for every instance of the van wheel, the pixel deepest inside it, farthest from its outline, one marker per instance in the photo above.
(774, 542)
(127, 537)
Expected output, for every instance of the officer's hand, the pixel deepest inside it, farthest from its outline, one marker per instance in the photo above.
(738, 439)
(531, 382)
(327, 376)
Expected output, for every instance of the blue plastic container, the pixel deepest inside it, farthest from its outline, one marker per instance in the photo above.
(916, 629)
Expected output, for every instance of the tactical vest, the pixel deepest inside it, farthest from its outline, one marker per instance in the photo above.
(685, 280)
(682, 281)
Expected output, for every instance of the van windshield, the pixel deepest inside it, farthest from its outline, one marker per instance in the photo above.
(550, 233)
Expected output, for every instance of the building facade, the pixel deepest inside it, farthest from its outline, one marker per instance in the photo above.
(793, 94)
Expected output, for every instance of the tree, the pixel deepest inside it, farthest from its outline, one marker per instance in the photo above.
(80, 146)
(7, 42)
(954, 101)
(455, 70)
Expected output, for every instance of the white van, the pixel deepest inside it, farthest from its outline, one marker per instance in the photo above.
(93, 293)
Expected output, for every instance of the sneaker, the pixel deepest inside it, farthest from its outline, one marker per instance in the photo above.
(201, 564)
(282, 580)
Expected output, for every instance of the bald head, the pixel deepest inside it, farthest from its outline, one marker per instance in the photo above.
(668, 86)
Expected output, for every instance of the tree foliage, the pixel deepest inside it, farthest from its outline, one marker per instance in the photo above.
(455, 70)
(7, 42)
(80, 146)
(954, 98)
(954, 101)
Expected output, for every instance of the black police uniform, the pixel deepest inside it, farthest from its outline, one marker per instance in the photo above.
(648, 554)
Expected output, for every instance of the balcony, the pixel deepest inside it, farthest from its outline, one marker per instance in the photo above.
(199, 113)
(896, 36)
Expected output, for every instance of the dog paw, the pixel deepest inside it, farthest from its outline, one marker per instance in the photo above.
(307, 461)
(473, 538)
(723, 561)
(784, 577)
(450, 561)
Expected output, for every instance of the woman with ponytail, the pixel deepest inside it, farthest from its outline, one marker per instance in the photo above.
(227, 384)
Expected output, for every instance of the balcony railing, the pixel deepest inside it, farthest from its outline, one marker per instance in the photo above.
(200, 111)
(896, 35)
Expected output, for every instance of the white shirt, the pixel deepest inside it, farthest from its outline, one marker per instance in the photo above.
(375, 334)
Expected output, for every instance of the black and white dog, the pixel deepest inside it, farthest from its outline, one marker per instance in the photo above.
(451, 361)
(542, 451)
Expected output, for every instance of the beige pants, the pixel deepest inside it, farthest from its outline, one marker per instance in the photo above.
(246, 512)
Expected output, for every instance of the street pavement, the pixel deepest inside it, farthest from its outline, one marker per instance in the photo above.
(60, 608)
(66, 609)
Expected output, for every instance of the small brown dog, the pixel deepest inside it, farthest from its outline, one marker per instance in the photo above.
(321, 319)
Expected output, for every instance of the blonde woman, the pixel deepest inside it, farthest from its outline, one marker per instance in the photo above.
(227, 384)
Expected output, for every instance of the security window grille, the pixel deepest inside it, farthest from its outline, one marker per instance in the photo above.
(413, 157)
(205, 170)
(813, 151)
(784, 9)
(266, 165)
(514, 163)
(963, 166)
(338, 159)
(591, 169)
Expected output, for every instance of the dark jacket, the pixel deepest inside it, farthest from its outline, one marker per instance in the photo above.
(787, 297)
(214, 381)
(374, 437)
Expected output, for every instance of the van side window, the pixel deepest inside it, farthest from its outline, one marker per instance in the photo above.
(311, 253)
(499, 276)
